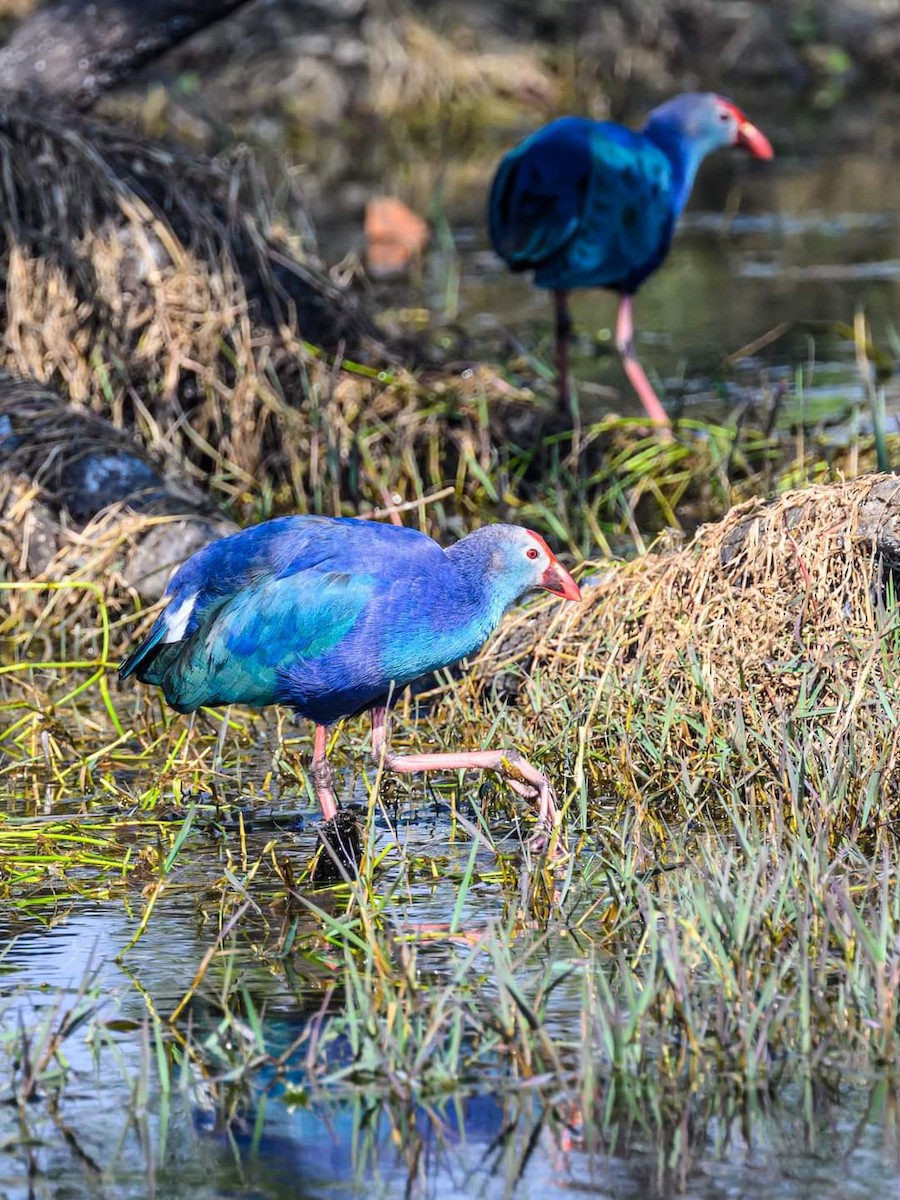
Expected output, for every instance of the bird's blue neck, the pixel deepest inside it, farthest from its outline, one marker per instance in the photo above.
(489, 594)
(684, 153)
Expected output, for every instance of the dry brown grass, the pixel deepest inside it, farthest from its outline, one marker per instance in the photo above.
(168, 296)
(778, 596)
(154, 289)
(413, 66)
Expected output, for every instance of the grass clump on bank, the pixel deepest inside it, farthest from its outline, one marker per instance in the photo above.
(784, 607)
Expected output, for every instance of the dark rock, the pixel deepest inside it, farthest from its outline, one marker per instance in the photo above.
(340, 851)
(61, 467)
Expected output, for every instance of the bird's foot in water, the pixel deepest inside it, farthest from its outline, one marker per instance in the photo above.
(548, 841)
(339, 853)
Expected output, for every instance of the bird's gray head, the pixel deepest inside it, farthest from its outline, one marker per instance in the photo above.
(511, 561)
(707, 122)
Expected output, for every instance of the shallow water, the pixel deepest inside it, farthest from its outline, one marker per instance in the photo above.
(810, 1142)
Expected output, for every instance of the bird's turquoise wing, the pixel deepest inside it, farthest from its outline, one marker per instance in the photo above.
(261, 601)
(537, 193)
(302, 611)
(242, 650)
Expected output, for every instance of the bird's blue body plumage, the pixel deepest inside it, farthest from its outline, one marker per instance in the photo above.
(583, 204)
(587, 203)
(325, 615)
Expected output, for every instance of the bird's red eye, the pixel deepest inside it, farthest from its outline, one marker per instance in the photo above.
(532, 553)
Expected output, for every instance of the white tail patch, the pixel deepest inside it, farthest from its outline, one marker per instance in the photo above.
(177, 618)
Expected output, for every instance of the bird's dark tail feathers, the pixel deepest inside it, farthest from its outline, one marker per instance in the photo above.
(147, 650)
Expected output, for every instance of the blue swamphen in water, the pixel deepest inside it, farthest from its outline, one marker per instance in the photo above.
(587, 203)
(332, 616)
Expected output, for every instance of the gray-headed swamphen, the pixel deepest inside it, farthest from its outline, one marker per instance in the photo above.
(333, 616)
(585, 203)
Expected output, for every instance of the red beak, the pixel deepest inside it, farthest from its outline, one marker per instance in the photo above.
(754, 140)
(557, 580)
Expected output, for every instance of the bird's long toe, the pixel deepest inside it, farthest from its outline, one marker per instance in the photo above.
(533, 785)
(548, 817)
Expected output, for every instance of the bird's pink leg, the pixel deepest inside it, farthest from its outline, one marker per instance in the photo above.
(633, 369)
(521, 776)
(322, 774)
(563, 333)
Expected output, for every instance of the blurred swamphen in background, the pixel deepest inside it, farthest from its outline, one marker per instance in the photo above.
(587, 203)
(332, 616)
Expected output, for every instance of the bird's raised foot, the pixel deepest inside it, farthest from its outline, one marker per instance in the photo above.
(531, 784)
(339, 852)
